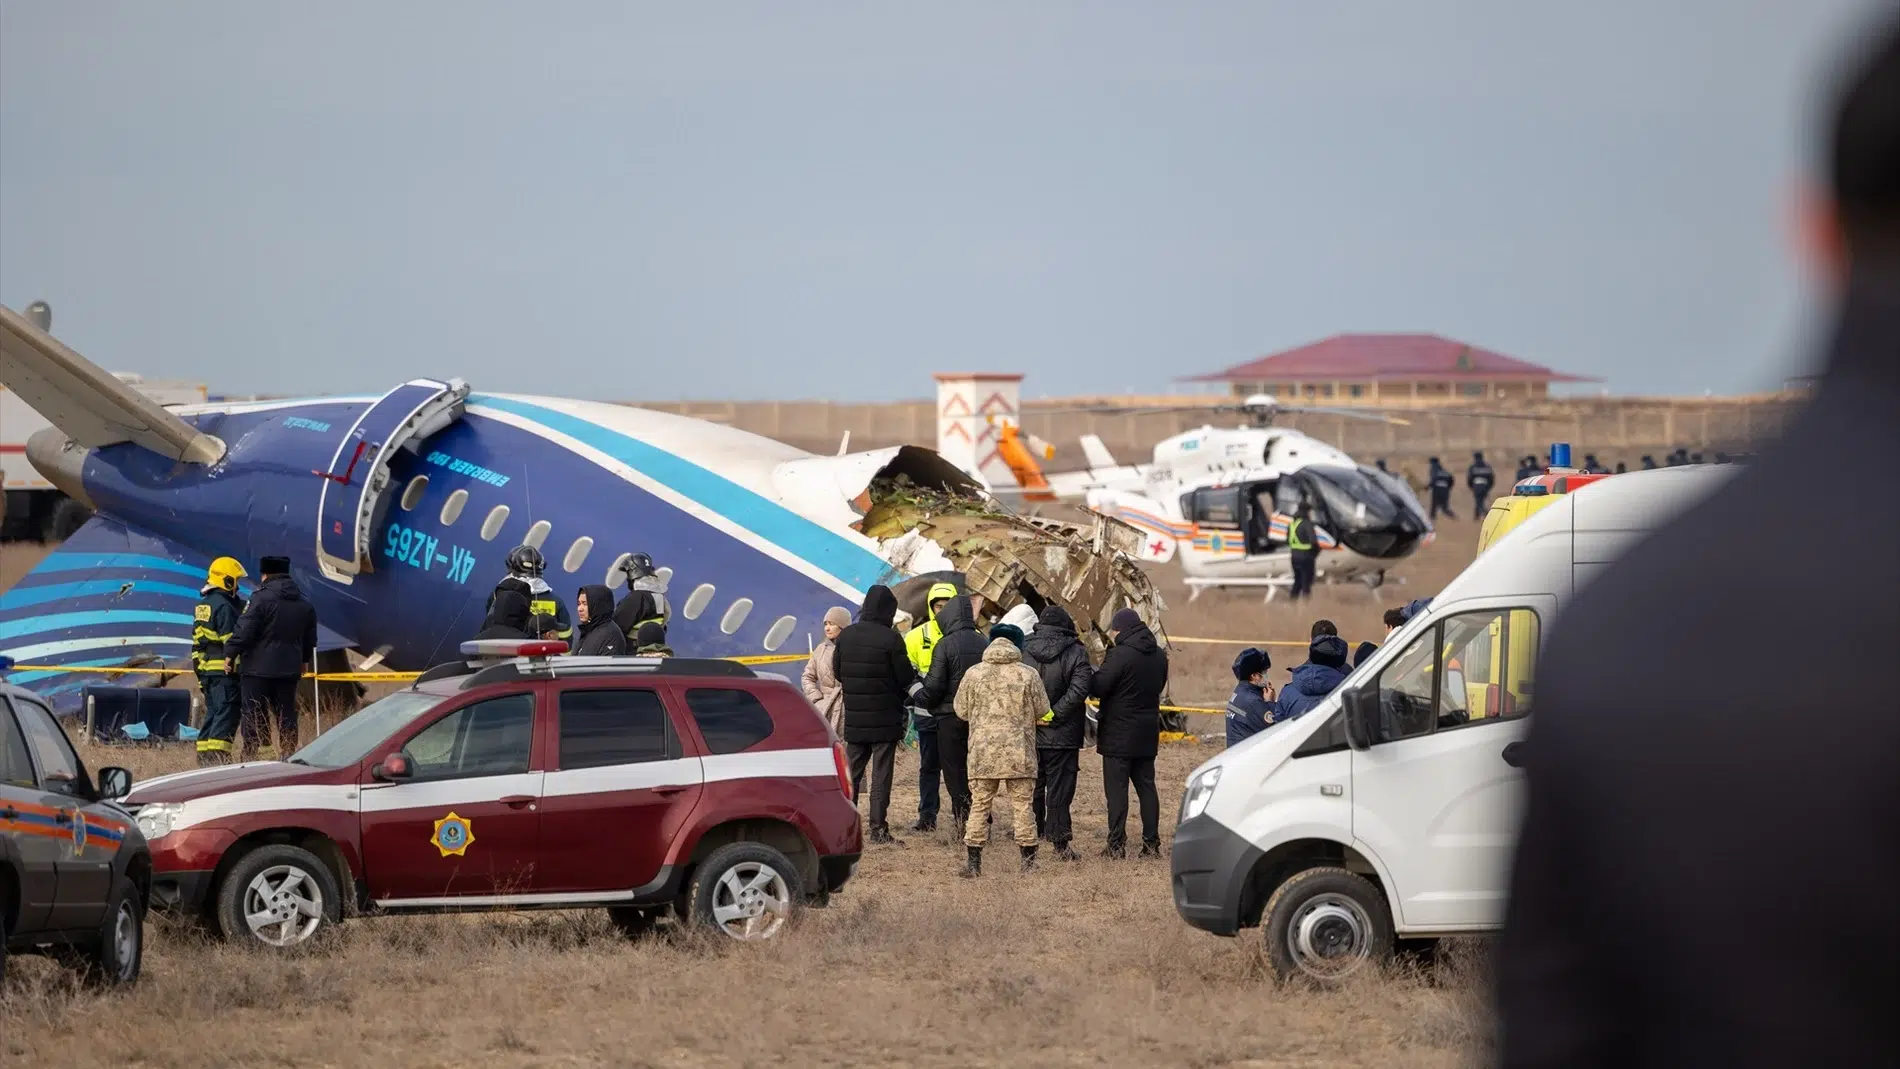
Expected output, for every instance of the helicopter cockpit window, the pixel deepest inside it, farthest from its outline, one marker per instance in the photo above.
(1217, 506)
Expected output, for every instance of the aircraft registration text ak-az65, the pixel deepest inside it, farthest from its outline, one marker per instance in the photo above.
(397, 512)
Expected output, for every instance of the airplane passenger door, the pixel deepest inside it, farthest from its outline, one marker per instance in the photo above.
(1440, 794)
(359, 472)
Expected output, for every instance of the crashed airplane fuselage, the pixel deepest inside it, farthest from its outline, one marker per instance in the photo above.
(397, 511)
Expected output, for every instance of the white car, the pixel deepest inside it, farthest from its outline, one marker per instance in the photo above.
(1389, 811)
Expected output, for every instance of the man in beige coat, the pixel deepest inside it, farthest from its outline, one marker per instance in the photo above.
(1001, 698)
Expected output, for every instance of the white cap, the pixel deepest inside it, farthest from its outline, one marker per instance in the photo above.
(1022, 617)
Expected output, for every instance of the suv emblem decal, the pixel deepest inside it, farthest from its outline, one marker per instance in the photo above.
(79, 832)
(453, 835)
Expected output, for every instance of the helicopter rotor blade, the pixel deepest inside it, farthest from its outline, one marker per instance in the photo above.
(1372, 415)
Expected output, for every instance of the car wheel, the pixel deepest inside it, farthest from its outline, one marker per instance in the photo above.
(277, 896)
(116, 957)
(1326, 924)
(747, 891)
(633, 921)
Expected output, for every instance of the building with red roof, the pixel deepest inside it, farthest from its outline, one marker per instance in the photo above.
(1391, 368)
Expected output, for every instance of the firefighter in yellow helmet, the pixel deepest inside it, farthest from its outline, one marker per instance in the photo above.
(212, 623)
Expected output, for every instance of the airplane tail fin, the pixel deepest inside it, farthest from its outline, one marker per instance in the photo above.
(90, 405)
(1096, 453)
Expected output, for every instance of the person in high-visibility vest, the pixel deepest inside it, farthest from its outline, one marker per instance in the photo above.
(919, 642)
(1303, 545)
(213, 620)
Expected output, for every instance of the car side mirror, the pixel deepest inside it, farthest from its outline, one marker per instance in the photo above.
(395, 768)
(1361, 705)
(114, 783)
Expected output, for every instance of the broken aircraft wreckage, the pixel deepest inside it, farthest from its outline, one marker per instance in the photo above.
(396, 511)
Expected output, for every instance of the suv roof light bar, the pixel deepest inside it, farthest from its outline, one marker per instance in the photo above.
(510, 671)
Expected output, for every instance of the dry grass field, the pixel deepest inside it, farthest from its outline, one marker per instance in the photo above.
(1074, 965)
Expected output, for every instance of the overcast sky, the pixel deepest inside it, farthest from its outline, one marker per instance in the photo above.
(837, 199)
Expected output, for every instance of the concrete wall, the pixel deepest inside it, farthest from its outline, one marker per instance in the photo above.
(1612, 428)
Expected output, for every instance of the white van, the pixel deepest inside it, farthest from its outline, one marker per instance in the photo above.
(1389, 811)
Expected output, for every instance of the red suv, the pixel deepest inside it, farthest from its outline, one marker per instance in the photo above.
(636, 784)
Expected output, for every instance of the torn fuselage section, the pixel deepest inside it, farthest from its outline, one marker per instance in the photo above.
(1008, 560)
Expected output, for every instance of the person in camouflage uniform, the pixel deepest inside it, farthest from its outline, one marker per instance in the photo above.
(1001, 699)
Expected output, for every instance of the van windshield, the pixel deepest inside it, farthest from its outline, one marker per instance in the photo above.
(352, 739)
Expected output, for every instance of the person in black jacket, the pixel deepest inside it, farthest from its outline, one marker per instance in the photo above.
(1440, 481)
(275, 641)
(1480, 478)
(1128, 733)
(1059, 657)
(879, 683)
(956, 652)
(1671, 837)
(599, 634)
(507, 616)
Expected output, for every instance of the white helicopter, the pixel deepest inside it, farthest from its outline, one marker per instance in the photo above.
(1220, 499)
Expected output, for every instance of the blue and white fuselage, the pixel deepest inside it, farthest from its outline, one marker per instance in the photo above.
(755, 536)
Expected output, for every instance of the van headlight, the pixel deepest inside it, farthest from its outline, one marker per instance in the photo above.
(1200, 791)
(155, 819)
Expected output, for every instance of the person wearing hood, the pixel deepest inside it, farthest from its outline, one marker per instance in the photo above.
(1022, 618)
(820, 678)
(600, 634)
(1440, 481)
(878, 684)
(1062, 662)
(274, 642)
(999, 701)
(1480, 478)
(1324, 670)
(1128, 735)
(1251, 708)
(957, 650)
(919, 643)
(525, 568)
(508, 614)
(1678, 838)
(650, 640)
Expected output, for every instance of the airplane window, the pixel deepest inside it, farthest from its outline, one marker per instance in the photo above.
(697, 601)
(735, 615)
(452, 508)
(665, 576)
(615, 577)
(537, 534)
(492, 525)
(781, 630)
(412, 494)
(577, 554)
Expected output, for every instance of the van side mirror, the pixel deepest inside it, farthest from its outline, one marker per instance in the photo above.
(394, 769)
(114, 783)
(1361, 705)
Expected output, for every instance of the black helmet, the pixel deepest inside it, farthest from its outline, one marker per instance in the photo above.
(637, 566)
(526, 560)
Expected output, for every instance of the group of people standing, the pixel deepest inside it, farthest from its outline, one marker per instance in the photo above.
(248, 657)
(1000, 711)
(523, 606)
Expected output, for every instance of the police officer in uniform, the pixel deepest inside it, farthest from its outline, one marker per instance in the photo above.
(213, 621)
(1480, 478)
(1303, 544)
(525, 566)
(1441, 481)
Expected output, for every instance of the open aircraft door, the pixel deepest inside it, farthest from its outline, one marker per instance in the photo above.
(357, 481)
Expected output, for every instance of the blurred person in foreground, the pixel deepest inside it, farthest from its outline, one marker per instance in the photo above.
(1058, 656)
(1128, 734)
(1000, 699)
(1708, 867)
(878, 683)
